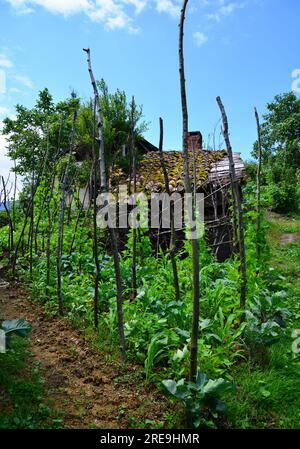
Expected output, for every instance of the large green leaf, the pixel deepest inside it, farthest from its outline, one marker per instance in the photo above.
(19, 327)
(170, 386)
(202, 379)
(217, 387)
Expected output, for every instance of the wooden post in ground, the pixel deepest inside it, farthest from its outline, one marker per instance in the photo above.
(258, 177)
(188, 189)
(238, 201)
(104, 190)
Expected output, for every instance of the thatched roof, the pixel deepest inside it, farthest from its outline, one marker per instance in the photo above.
(211, 166)
(219, 172)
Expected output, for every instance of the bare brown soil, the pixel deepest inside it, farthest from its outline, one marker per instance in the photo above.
(85, 385)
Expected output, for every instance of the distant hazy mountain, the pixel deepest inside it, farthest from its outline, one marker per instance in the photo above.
(2, 206)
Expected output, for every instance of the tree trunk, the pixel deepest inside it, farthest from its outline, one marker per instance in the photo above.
(238, 200)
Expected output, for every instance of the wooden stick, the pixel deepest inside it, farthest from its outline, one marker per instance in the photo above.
(61, 218)
(134, 233)
(104, 189)
(195, 248)
(10, 222)
(258, 205)
(238, 201)
(173, 234)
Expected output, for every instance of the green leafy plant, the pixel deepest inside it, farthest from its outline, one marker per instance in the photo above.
(14, 327)
(265, 319)
(202, 399)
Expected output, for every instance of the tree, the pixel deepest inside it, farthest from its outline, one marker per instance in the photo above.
(118, 118)
(280, 143)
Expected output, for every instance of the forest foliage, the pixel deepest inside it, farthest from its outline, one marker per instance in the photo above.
(280, 138)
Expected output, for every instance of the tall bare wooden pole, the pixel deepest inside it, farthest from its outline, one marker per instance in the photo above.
(258, 205)
(95, 230)
(81, 206)
(32, 212)
(15, 194)
(134, 230)
(238, 201)
(50, 214)
(62, 216)
(27, 214)
(173, 235)
(104, 189)
(102, 162)
(188, 189)
(10, 221)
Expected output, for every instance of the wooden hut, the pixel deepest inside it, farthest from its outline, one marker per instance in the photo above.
(212, 179)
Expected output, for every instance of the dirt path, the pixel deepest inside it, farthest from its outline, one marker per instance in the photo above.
(287, 238)
(90, 391)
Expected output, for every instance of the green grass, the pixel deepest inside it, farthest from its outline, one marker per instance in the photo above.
(268, 394)
(23, 396)
(285, 224)
(268, 391)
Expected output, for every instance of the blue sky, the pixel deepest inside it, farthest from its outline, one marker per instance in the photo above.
(243, 50)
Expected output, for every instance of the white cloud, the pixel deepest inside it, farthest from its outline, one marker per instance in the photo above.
(110, 12)
(226, 10)
(3, 110)
(116, 22)
(200, 38)
(2, 81)
(5, 163)
(223, 10)
(5, 62)
(168, 6)
(65, 7)
(113, 13)
(138, 4)
(14, 90)
(134, 30)
(23, 79)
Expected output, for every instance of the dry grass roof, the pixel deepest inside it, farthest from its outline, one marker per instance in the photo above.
(150, 175)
